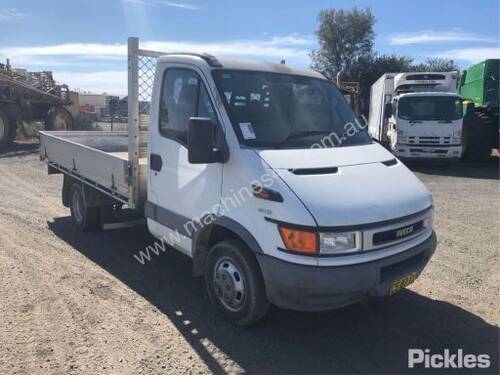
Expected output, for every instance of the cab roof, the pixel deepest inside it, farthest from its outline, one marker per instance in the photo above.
(237, 64)
(428, 93)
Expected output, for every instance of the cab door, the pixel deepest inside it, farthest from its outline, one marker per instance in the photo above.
(179, 191)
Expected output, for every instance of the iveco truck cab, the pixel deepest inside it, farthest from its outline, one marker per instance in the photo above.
(417, 115)
(261, 174)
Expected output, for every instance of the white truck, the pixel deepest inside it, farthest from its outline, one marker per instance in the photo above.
(226, 171)
(417, 115)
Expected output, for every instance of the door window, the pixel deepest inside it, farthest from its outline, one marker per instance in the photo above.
(183, 95)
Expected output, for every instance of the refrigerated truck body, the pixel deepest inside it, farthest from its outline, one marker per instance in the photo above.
(417, 115)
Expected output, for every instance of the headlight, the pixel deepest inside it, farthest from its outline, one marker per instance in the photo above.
(338, 243)
(428, 221)
(313, 243)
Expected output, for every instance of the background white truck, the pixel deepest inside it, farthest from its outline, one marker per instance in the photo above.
(223, 167)
(417, 114)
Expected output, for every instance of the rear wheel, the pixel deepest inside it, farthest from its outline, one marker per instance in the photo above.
(59, 119)
(479, 138)
(7, 130)
(85, 218)
(234, 283)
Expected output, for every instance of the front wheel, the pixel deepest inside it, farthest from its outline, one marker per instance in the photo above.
(85, 218)
(234, 283)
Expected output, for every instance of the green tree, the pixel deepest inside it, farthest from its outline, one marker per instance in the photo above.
(345, 37)
(369, 68)
(436, 64)
(346, 41)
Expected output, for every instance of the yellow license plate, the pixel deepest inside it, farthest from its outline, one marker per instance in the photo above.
(402, 283)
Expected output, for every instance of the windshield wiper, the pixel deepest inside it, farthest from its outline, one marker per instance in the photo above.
(305, 133)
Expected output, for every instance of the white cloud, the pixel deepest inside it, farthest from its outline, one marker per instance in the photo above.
(106, 60)
(173, 4)
(471, 55)
(180, 5)
(11, 14)
(67, 49)
(277, 47)
(112, 82)
(430, 36)
(293, 39)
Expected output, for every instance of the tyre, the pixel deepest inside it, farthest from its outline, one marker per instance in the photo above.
(480, 138)
(59, 118)
(85, 218)
(7, 130)
(234, 283)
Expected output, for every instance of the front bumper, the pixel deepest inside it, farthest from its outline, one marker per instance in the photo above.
(312, 288)
(428, 152)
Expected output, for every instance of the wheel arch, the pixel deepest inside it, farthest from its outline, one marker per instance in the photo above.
(93, 197)
(223, 228)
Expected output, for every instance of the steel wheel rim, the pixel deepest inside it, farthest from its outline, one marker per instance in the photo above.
(2, 128)
(78, 206)
(229, 284)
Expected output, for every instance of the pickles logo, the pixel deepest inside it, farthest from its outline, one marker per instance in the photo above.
(424, 358)
(403, 232)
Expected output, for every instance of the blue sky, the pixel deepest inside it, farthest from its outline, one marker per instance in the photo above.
(83, 41)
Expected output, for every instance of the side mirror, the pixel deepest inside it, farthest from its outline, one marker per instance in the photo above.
(201, 141)
(388, 110)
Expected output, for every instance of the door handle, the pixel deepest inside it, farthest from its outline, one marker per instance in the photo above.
(155, 162)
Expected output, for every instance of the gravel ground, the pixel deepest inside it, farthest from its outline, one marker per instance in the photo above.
(76, 303)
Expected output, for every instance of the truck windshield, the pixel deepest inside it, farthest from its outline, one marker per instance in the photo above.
(431, 108)
(288, 111)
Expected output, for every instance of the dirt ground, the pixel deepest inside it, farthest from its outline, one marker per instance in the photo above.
(76, 303)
